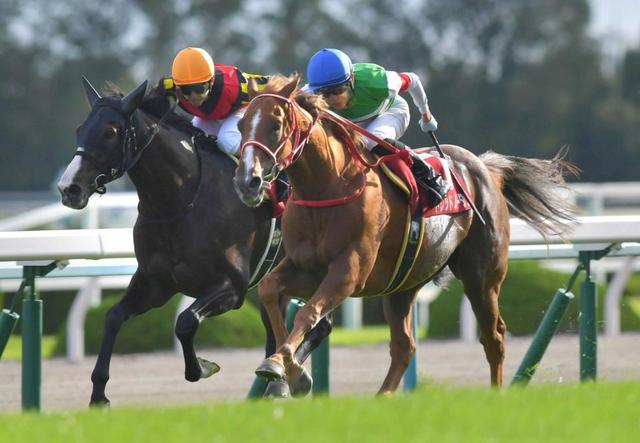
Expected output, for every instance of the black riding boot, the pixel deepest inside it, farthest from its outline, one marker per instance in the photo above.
(425, 175)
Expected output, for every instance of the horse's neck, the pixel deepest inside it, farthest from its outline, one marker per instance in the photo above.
(166, 175)
(325, 168)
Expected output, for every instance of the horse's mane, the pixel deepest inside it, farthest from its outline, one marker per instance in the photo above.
(312, 103)
(156, 103)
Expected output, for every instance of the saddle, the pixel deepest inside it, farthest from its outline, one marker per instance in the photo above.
(400, 174)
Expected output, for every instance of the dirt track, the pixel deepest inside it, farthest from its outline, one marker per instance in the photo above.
(157, 378)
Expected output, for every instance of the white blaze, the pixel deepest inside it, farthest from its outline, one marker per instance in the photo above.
(248, 156)
(70, 173)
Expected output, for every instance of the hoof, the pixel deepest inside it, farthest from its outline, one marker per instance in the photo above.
(99, 402)
(207, 368)
(271, 370)
(277, 389)
(302, 386)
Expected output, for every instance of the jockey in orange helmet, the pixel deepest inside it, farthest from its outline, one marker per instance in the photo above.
(216, 95)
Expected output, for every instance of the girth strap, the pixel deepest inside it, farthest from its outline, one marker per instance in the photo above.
(270, 253)
(414, 234)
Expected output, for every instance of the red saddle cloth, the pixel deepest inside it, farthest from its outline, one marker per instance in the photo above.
(454, 201)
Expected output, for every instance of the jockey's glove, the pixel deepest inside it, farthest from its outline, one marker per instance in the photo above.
(431, 125)
(168, 86)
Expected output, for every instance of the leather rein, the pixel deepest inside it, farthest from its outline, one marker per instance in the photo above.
(299, 142)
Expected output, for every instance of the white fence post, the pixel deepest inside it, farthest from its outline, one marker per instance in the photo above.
(613, 297)
(87, 296)
(352, 313)
(468, 324)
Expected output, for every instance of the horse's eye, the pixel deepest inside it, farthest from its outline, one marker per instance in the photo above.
(277, 125)
(110, 132)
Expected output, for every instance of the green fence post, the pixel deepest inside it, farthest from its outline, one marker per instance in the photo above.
(292, 309)
(258, 387)
(32, 333)
(548, 326)
(588, 325)
(31, 343)
(8, 320)
(320, 368)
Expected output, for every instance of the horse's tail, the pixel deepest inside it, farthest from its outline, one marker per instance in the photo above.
(535, 190)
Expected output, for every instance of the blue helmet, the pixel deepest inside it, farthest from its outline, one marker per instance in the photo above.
(328, 67)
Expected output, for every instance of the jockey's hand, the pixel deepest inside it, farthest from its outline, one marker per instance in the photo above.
(428, 122)
(168, 86)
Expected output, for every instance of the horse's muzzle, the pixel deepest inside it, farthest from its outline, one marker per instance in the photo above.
(251, 192)
(73, 196)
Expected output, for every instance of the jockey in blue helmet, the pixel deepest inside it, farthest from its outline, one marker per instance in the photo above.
(368, 95)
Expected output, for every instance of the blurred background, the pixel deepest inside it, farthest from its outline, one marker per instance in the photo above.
(520, 77)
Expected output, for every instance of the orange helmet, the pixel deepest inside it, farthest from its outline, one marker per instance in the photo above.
(192, 65)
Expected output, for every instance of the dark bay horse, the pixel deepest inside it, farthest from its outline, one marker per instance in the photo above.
(192, 234)
(350, 248)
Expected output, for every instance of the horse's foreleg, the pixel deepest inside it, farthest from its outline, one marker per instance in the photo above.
(140, 296)
(295, 281)
(397, 312)
(339, 283)
(216, 300)
(269, 295)
(314, 337)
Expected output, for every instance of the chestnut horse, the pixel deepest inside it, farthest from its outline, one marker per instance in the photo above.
(343, 227)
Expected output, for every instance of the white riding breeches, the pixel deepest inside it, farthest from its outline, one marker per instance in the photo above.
(226, 129)
(392, 123)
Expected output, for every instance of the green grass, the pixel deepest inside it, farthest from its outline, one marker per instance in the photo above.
(592, 412)
(367, 335)
(13, 351)
(634, 304)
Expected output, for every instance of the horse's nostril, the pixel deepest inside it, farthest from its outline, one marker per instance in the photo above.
(255, 183)
(73, 190)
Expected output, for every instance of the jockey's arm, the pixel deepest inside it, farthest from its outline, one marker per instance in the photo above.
(409, 81)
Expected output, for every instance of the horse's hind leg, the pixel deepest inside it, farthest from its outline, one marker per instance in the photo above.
(141, 295)
(492, 327)
(397, 312)
(217, 300)
(482, 275)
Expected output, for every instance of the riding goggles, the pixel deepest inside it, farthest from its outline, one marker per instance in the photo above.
(198, 88)
(334, 90)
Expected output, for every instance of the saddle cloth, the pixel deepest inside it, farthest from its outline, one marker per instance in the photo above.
(400, 174)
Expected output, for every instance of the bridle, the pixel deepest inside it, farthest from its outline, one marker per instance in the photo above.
(299, 142)
(295, 134)
(131, 151)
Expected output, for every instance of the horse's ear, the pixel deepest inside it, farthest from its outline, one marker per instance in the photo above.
(252, 88)
(92, 94)
(291, 87)
(132, 100)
